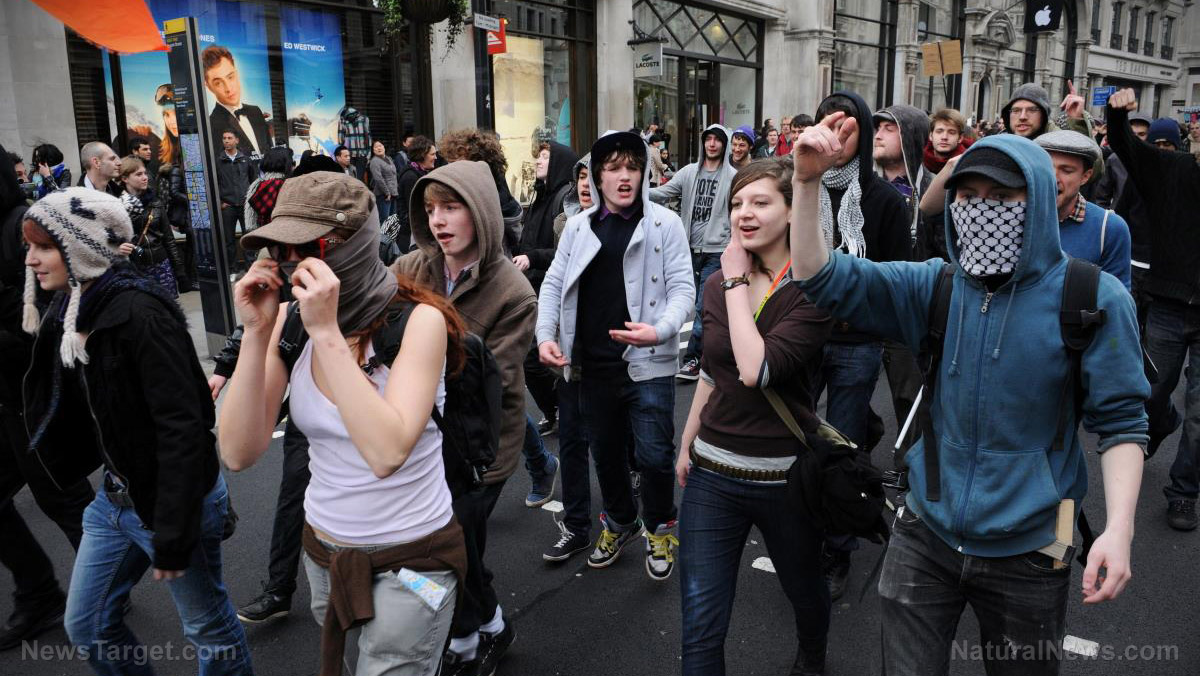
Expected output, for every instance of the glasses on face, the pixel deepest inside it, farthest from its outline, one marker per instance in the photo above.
(1032, 110)
(318, 248)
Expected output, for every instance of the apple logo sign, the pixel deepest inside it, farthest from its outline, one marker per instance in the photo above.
(1042, 18)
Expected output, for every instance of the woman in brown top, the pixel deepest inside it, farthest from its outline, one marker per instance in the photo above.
(759, 331)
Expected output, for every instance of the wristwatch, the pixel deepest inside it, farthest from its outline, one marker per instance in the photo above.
(734, 281)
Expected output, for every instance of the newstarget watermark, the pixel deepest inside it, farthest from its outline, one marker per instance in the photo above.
(140, 655)
(1070, 649)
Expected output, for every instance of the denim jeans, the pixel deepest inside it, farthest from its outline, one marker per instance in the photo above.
(703, 265)
(284, 560)
(1020, 601)
(115, 553)
(715, 516)
(848, 375)
(1173, 334)
(615, 408)
(385, 207)
(406, 636)
(536, 455)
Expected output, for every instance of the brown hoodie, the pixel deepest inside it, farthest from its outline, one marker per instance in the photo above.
(493, 297)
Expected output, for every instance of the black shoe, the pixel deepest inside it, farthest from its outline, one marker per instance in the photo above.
(547, 426)
(690, 369)
(568, 545)
(454, 665)
(837, 571)
(493, 647)
(267, 606)
(1181, 514)
(30, 622)
(808, 663)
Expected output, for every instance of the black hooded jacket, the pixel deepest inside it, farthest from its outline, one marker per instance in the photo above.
(886, 217)
(914, 133)
(537, 234)
(15, 344)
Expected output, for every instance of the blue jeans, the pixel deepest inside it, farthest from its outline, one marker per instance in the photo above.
(1020, 602)
(715, 516)
(848, 375)
(536, 455)
(116, 551)
(385, 207)
(1172, 334)
(703, 265)
(613, 409)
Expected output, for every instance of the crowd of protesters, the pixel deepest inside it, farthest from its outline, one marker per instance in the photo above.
(809, 258)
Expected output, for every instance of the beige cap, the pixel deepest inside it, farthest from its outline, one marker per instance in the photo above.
(311, 206)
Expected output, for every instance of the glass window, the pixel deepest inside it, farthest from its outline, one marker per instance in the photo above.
(738, 85)
(1114, 39)
(865, 49)
(1133, 28)
(698, 30)
(1096, 7)
(937, 21)
(1148, 45)
(656, 101)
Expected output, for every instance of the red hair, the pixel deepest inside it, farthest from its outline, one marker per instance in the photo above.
(36, 234)
(408, 291)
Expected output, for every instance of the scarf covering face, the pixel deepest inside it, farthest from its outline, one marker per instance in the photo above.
(850, 218)
(989, 235)
(367, 287)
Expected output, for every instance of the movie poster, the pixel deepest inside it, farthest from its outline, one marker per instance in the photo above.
(314, 90)
(236, 78)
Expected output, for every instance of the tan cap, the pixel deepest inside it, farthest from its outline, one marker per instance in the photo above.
(311, 206)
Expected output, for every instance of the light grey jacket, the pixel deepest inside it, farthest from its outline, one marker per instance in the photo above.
(658, 283)
(715, 237)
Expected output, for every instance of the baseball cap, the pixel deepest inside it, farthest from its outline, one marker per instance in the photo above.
(617, 140)
(311, 206)
(989, 163)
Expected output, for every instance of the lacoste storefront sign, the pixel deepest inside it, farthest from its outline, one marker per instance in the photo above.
(647, 59)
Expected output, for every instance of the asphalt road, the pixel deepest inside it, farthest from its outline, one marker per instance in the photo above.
(575, 621)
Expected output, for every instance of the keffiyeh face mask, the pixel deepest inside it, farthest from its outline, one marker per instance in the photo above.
(989, 235)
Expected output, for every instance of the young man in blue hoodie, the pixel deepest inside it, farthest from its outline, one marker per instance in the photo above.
(973, 536)
(609, 313)
(704, 189)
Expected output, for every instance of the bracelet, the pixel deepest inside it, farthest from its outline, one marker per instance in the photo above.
(733, 282)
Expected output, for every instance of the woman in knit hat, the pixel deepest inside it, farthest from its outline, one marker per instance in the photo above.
(380, 524)
(115, 380)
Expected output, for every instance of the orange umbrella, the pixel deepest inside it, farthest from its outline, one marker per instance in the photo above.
(123, 26)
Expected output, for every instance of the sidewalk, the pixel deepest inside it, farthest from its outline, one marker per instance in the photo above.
(190, 302)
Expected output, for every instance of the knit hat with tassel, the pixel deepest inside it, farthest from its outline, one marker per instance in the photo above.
(88, 226)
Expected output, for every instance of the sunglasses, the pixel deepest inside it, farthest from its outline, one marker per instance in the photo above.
(317, 248)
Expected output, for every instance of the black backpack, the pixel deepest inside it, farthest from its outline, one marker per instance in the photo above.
(1079, 317)
(470, 423)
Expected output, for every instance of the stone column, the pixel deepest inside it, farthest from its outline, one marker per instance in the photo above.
(614, 65)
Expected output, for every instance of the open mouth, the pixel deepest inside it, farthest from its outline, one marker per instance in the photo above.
(444, 237)
(748, 229)
(625, 191)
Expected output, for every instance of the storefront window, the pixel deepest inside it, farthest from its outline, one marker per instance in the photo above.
(865, 49)
(938, 21)
(711, 73)
(543, 85)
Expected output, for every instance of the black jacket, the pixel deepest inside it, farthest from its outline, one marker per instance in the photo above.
(141, 406)
(153, 239)
(221, 120)
(537, 233)
(172, 189)
(112, 188)
(234, 176)
(1115, 191)
(1167, 182)
(405, 180)
(886, 215)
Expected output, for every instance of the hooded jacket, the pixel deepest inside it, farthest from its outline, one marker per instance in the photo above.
(1037, 95)
(537, 235)
(1001, 375)
(571, 204)
(914, 134)
(659, 289)
(493, 297)
(715, 236)
(1166, 181)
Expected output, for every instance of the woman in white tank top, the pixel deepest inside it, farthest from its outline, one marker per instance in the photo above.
(378, 493)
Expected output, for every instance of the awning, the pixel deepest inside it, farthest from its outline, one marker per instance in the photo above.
(123, 26)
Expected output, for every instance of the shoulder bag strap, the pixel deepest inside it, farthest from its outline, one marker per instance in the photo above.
(785, 415)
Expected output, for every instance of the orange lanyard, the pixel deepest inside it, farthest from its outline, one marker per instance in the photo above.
(770, 291)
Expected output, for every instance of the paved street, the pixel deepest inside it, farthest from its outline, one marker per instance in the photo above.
(575, 621)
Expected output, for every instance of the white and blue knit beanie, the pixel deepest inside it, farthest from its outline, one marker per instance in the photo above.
(88, 226)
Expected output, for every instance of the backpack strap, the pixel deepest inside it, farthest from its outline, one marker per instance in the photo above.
(1079, 318)
(1104, 230)
(930, 359)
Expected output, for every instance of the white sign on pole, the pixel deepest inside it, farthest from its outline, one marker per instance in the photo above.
(487, 23)
(647, 59)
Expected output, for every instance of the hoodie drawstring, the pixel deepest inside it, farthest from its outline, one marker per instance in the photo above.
(958, 339)
(1004, 322)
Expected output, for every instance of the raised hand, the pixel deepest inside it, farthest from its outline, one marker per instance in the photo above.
(316, 288)
(1072, 103)
(818, 148)
(735, 260)
(1126, 98)
(256, 296)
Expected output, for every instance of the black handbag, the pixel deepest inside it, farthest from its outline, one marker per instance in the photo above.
(831, 483)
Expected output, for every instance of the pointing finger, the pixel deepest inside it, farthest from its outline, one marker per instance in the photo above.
(831, 120)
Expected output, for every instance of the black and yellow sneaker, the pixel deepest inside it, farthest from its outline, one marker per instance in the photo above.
(610, 544)
(660, 551)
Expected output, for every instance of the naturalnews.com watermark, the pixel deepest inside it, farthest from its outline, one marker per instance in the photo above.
(139, 655)
(1071, 649)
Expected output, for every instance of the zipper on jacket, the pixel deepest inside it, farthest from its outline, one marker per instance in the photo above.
(25, 418)
(960, 520)
(108, 461)
(987, 302)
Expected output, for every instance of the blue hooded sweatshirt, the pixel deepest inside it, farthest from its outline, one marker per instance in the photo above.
(1002, 374)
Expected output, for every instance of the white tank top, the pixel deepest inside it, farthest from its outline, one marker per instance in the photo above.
(344, 498)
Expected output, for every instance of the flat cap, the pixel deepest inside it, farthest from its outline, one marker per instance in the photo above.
(1070, 143)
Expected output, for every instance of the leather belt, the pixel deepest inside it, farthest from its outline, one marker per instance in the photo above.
(738, 472)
